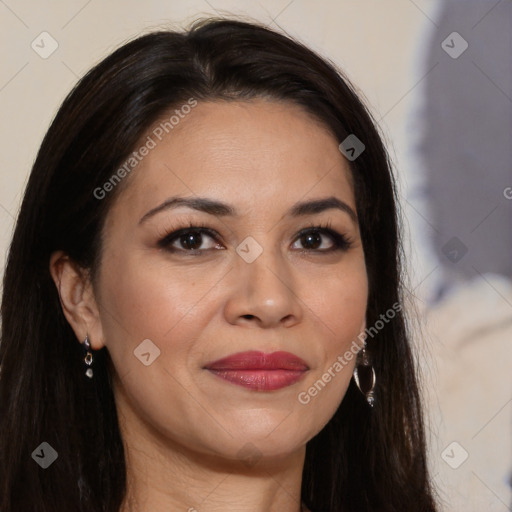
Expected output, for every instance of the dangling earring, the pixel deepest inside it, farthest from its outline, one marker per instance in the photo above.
(88, 357)
(364, 376)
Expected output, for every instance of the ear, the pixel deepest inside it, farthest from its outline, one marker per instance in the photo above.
(77, 299)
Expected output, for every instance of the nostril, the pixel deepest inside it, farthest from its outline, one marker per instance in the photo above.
(249, 317)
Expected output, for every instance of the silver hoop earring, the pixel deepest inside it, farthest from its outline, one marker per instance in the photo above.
(364, 376)
(88, 357)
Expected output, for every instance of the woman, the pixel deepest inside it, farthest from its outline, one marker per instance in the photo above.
(207, 237)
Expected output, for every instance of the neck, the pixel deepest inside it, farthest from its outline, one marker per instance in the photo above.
(163, 475)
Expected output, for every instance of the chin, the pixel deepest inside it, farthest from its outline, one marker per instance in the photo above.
(271, 435)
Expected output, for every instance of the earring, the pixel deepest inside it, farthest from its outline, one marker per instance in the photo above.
(364, 376)
(88, 357)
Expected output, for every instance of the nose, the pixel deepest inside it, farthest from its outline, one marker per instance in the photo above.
(263, 293)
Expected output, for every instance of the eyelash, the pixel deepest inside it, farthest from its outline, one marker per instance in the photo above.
(340, 242)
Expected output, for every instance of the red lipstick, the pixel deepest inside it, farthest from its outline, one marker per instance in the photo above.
(259, 371)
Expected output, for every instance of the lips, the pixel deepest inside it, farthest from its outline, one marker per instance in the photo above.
(259, 361)
(260, 371)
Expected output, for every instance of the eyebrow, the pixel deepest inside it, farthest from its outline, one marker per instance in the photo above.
(213, 207)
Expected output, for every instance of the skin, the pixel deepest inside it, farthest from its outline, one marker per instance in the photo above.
(192, 440)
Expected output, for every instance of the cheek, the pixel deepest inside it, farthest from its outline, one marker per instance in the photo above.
(142, 300)
(343, 304)
(338, 301)
(339, 306)
(170, 307)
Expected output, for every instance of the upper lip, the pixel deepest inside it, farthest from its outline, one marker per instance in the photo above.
(254, 360)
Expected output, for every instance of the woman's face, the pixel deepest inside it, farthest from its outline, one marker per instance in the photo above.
(242, 280)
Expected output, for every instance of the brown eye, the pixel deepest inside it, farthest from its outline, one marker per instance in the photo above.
(311, 240)
(190, 240)
(321, 239)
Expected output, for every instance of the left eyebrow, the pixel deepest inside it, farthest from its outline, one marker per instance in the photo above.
(320, 205)
(214, 207)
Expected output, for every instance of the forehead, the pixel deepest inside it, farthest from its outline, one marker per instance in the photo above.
(247, 153)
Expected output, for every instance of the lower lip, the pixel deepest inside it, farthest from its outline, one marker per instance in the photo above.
(261, 380)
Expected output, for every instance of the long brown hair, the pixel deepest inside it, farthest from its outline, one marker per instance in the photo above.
(364, 459)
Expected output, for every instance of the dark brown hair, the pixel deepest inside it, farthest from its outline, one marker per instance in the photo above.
(364, 459)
